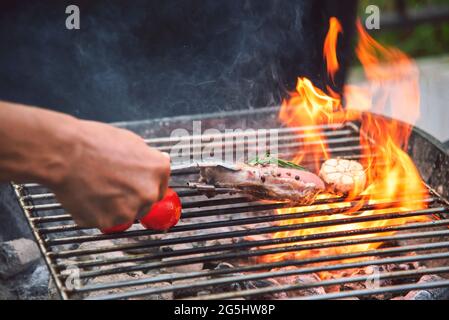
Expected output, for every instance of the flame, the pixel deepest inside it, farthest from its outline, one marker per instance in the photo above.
(393, 81)
(330, 47)
(308, 107)
(391, 174)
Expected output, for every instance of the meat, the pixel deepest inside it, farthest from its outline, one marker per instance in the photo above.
(275, 179)
(267, 182)
(343, 176)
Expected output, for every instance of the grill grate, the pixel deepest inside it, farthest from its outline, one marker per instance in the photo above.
(234, 229)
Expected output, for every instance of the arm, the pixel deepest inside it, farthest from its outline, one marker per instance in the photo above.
(102, 175)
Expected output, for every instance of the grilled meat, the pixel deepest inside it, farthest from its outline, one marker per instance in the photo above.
(267, 182)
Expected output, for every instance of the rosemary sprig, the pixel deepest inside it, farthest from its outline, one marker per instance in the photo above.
(269, 159)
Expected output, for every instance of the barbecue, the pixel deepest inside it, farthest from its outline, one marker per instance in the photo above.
(319, 197)
(212, 252)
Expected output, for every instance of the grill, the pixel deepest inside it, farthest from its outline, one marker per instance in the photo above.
(228, 234)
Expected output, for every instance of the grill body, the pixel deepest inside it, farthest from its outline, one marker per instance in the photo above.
(215, 251)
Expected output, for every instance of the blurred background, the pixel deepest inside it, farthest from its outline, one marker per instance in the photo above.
(156, 59)
(420, 28)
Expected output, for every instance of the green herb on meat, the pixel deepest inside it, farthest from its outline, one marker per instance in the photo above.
(268, 159)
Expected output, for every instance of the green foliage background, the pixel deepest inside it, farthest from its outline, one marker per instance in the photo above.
(422, 40)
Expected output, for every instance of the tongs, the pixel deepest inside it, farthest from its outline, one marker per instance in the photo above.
(203, 187)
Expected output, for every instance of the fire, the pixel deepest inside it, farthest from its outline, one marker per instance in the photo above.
(307, 107)
(330, 46)
(391, 174)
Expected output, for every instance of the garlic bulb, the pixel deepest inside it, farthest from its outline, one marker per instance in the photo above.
(343, 176)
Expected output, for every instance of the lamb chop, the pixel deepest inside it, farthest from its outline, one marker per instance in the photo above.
(267, 179)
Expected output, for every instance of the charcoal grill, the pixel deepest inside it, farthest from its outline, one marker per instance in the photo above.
(210, 226)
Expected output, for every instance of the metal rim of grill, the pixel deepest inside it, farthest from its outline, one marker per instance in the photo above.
(58, 238)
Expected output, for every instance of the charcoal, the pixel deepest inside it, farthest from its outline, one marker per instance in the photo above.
(350, 286)
(265, 283)
(137, 241)
(52, 290)
(224, 241)
(34, 286)
(99, 245)
(97, 257)
(428, 294)
(24, 274)
(373, 282)
(230, 287)
(190, 292)
(184, 268)
(256, 238)
(421, 241)
(16, 256)
(6, 293)
(159, 296)
(203, 293)
(224, 265)
(126, 277)
(300, 279)
(307, 279)
(218, 242)
(392, 267)
(71, 270)
(287, 279)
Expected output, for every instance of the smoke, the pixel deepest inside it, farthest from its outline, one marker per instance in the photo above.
(147, 59)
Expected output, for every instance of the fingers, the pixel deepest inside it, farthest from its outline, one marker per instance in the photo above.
(164, 176)
(99, 195)
(144, 210)
(83, 222)
(165, 154)
(163, 188)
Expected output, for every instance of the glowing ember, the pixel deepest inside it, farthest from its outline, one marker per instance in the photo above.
(391, 174)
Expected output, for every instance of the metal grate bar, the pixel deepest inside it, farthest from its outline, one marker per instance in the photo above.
(391, 289)
(271, 242)
(203, 204)
(338, 137)
(299, 131)
(320, 236)
(264, 290)
(263, 252)
(381, 276)
(286, 263)
(271, 218)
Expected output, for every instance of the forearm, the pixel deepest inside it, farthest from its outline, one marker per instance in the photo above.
(102, 175)
(34, 144)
